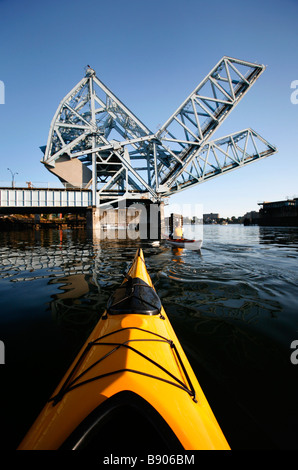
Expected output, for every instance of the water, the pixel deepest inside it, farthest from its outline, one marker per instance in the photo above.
(234, 307)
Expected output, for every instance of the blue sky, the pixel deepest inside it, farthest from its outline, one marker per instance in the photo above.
(152, 55)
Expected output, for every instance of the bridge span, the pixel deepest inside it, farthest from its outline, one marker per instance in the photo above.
(104, 154)
(43, 200)
(148, 216)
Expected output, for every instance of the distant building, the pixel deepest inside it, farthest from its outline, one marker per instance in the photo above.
(210, 218)
(251, 218)
(279, 213)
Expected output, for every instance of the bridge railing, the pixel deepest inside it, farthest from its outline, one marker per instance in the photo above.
(26, 197)
(39, 185)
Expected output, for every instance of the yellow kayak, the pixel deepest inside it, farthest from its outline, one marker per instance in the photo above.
(131, 386)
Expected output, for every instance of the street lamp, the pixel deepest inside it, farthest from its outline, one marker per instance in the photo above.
(12, 175)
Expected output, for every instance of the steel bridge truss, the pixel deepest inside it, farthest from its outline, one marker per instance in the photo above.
(95, 140)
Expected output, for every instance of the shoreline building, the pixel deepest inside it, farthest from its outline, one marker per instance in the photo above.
(279, 213)
(210, 218)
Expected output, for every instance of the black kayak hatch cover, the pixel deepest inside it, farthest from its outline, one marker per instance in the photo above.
(134, 296)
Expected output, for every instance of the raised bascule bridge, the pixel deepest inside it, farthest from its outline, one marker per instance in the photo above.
(106, 157)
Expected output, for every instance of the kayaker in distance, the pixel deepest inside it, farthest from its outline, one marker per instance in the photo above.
(178, 233)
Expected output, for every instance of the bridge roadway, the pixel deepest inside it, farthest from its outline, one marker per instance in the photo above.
(43, 200)
(149, 216)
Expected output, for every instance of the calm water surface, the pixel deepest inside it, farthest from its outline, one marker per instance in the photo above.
(233, 305)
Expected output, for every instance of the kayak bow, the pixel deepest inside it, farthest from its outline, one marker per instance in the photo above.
(131, 385)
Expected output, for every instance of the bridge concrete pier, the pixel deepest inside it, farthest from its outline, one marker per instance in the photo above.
(93, 225)
(136, 219)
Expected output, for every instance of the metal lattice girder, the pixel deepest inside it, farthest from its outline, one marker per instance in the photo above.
(195, 121)
(90, 109)
(221, 156)
(92, 121)
(95, 139)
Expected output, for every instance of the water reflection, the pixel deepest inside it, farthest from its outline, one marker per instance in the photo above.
(78, 303)
(279, 236)
(233, 305)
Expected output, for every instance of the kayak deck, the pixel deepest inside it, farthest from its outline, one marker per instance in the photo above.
(113, 343)
(131, 365)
